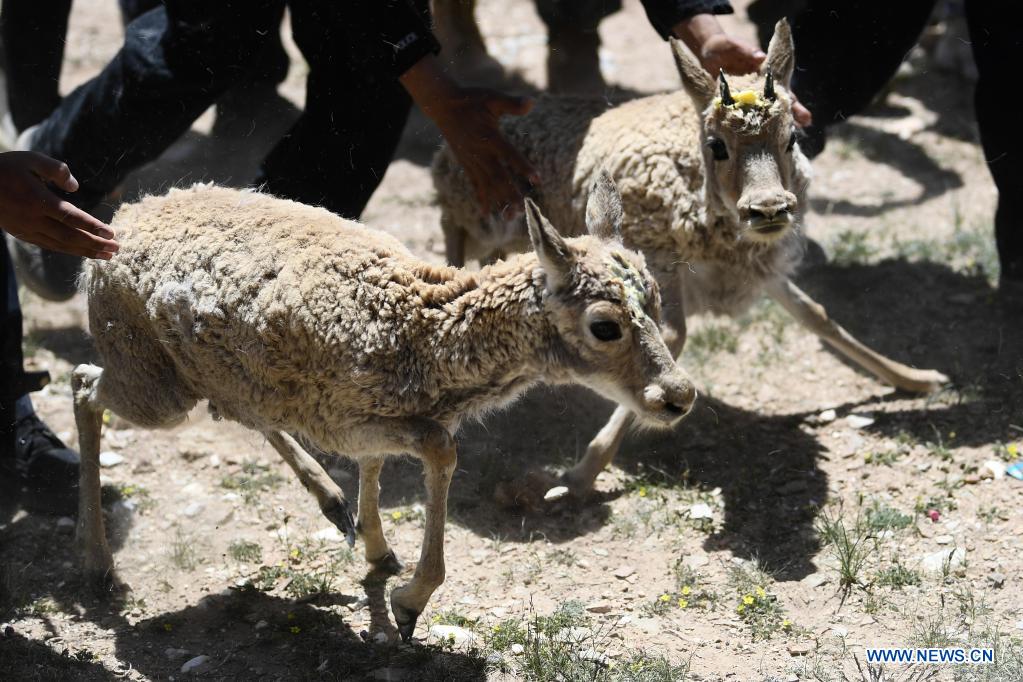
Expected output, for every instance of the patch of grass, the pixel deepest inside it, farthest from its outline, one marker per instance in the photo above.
(851, 247)
(450, 617)
(244, 551)
(711, 339)
(253, 479)
(897, 576)
(565, 647)
(756, 605)
(563, 557)
(882, 457)
(137, 494)
(880, 517)
(850, 544)
(183, 552)
(687, 593)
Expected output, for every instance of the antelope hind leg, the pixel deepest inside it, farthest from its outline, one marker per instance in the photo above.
(814, 317)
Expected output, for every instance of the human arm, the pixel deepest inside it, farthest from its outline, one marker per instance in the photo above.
(469, 119)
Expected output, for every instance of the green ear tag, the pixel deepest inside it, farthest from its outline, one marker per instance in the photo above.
(632, 284)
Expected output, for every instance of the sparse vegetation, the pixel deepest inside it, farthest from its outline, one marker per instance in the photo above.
(850, 545)
(251, 480)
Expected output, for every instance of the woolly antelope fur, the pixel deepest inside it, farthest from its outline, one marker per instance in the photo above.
(713, 186)
(302, 325)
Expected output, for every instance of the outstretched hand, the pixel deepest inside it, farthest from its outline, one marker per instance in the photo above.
(31, 211)
(469, 119)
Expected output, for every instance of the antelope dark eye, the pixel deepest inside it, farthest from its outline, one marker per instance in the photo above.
(606, 330)
(718, 149)
(792, 142)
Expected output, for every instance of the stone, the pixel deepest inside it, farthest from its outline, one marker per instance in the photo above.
(827, 416)
(623, 572)
(815, 580)
(328, 534)
(701, 510)
(193, 509)
(65, 524)
(595, 656)
(193, 665)
(800, 648)
(943, 539)
(518, 649)
(695, 561)
(451, 633)
(858, 421)
(109, 459)
(555, 493)
(599, 607)
(995, 468)
(261, 625)
(997, 579)
(936, 562)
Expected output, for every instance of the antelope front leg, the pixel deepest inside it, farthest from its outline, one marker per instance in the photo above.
(605, 444)
(433, 444)
(378, 553)
(439, 459)
(814, 317)
(328, 495)
(90, 535)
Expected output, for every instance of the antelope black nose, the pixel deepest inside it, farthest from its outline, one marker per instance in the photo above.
(768, 211)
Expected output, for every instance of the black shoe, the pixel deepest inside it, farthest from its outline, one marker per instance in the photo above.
(51, 275)
(45, 467)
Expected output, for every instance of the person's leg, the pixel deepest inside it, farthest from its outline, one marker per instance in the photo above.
(336, 154)
(33, 41)
(994, 35)
(176, 60)
(846, 51)
(30, 453)
(573, 43)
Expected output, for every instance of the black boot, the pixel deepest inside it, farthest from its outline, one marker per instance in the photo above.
(42, 467)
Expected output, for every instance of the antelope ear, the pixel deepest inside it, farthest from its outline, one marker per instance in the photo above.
(696, 81)
(554, 254)
(781, 54)
(604, 208)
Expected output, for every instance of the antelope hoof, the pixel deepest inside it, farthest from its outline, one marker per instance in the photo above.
(341, 517)
(104, 584)
(389, 563)
(922, 381)
(404, 618)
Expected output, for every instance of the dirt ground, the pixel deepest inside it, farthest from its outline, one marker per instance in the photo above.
(802, 513)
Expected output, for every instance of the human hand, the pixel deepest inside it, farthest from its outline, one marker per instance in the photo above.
(31, 211)
(469, 119)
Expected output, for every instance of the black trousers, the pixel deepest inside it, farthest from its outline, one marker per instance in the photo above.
(847, 50)
(177, 60)
(10, 349)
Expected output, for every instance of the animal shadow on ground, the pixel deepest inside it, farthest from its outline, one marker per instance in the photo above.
(909, 159)
(930, 315)
(765, 466)
(236, 630)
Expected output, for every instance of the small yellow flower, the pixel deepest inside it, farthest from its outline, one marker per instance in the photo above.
(686, 590)
(295, 629)
(952, 435)
(786, 623)
(682, 603)
(741, 608)
(295, 553)
(1012, 449)
(396, 515)
(748, 599)
(642, 491)
(665, 598)
(761, 592)
(168, 627)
